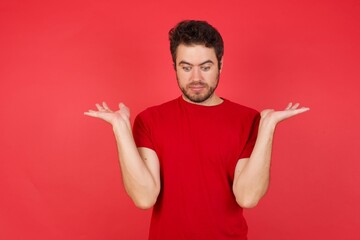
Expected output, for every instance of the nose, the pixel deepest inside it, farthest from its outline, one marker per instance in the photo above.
(196, 74)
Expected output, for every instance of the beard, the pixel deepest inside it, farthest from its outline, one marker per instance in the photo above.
(199, 97)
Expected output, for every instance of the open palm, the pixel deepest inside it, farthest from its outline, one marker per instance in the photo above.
(121, 116)
(278, 116)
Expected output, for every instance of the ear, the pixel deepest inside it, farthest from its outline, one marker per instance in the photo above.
(221, 64)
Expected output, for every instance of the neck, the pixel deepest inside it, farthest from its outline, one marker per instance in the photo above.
(211, 101)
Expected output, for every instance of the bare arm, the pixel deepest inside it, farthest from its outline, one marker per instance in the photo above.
(251, 179)
(139, 166)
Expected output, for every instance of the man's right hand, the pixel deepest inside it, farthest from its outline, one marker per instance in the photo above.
(117, 118)
(140, 167)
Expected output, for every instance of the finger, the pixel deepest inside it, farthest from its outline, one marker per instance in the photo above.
(288, 106)
(99, 107)
(91, 113)
(295, 106)
(305, 108)
(301, 110)
(106, 107)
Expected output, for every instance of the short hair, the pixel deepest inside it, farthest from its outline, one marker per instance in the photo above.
(194, 32)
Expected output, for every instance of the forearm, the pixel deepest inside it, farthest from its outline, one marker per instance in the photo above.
(138, 181)
(252, 182)
(140, 168)
(251, 179)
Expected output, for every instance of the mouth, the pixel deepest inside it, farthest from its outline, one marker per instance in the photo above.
(197, 87)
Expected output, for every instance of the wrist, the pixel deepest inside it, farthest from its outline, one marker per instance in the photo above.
(267, 124)
(120, 126)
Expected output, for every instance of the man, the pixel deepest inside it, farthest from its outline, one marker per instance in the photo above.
(199, 159)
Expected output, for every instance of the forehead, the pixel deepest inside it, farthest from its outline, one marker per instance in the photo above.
(195, 54)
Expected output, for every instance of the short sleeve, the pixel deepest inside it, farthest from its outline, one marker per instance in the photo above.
(141, 132)
(250, 143)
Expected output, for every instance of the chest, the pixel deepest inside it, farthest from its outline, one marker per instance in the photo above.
(203, 141)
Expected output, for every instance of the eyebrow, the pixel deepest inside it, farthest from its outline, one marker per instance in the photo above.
(207, 61)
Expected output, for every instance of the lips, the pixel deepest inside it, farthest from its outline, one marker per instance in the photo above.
(197, 86)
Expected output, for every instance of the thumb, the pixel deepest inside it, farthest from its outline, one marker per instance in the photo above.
(266, 112)
(124, 109)
(121, 105)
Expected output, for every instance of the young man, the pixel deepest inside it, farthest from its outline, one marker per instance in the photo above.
(198, 159)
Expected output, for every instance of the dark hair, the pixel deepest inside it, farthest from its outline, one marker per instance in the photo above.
(191, 32)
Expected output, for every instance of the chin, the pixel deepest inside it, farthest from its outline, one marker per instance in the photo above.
(197, 98)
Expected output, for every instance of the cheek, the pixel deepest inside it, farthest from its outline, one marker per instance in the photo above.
(213, 76)
(182, 76)
(180, 80)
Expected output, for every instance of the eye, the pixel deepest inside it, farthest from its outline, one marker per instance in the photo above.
(186, 68)
(205, 68)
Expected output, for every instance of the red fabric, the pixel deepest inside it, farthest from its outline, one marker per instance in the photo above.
(198, 148)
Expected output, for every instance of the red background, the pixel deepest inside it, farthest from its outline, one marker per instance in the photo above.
(59, 173)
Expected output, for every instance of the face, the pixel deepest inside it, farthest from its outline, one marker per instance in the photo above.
(197, 73)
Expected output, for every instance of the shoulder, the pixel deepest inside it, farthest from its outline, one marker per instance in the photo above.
(243, 116)
(237, 108)
(160, 109)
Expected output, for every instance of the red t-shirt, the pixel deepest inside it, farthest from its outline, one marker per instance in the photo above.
(198, 148)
